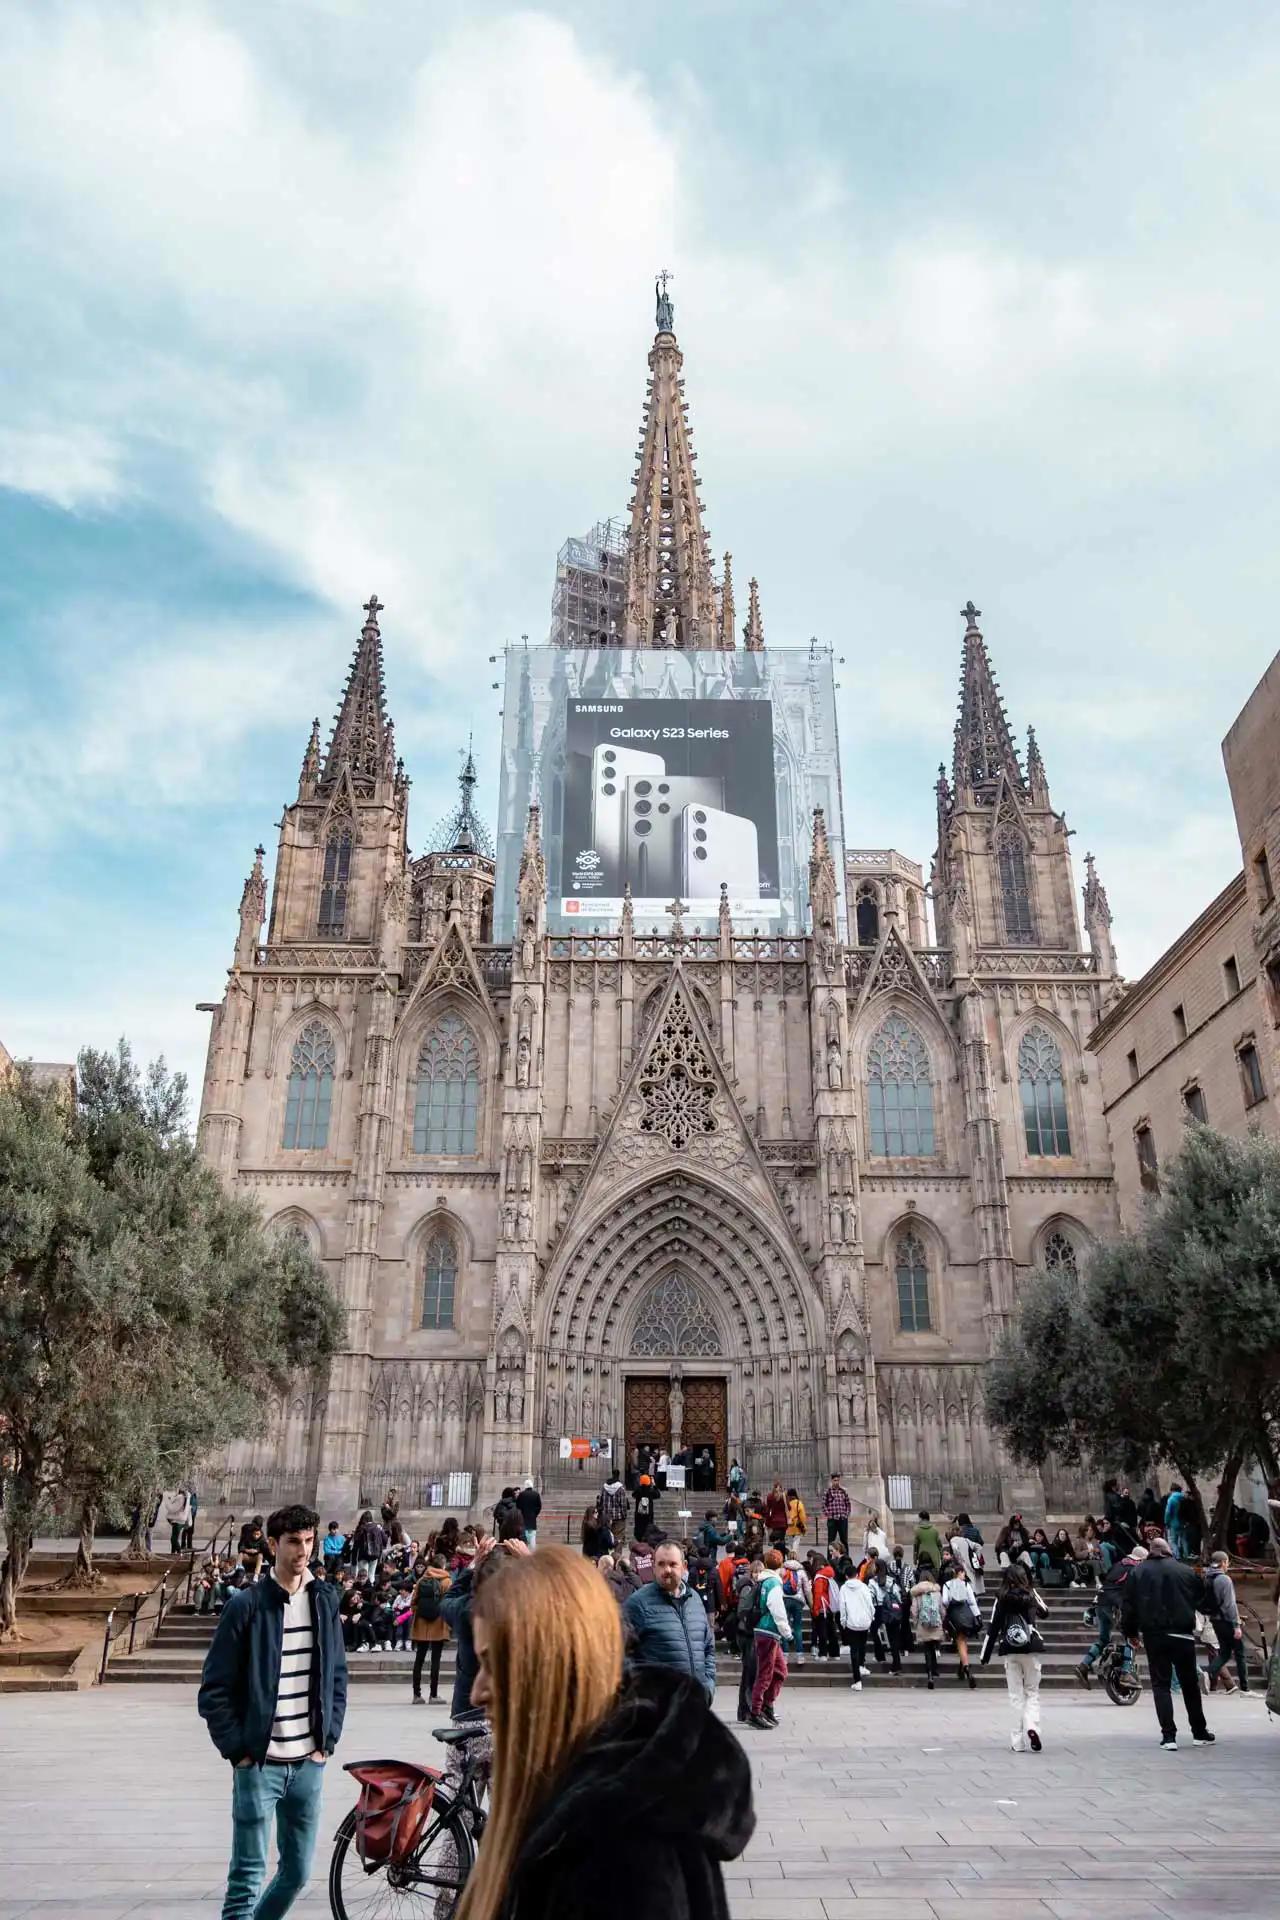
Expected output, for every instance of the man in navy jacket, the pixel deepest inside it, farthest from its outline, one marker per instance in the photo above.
(666, 1622)
(274, 1696)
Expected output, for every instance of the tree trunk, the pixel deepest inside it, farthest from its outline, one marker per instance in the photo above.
(12, 1573)
(137, 1547)
(83, 1573)
(1192, 1487)
(1226, 1496)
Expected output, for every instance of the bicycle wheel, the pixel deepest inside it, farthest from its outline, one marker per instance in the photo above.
(426, 1887)
(1123, 1686)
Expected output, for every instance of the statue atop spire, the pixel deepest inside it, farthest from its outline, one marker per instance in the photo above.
(359, 738)
(1097, 920)
(665, 315)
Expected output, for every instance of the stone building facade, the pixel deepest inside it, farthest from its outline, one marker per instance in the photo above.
(768, 1194)
(1196, 1037)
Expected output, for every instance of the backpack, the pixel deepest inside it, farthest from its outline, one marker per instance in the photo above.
(789, 1582)
(930, 1614)
(890, 1607)
(1017, 1634)
(429, 1589)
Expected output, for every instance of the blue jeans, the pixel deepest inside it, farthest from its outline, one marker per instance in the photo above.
(292, 1793)
(1106, 1627)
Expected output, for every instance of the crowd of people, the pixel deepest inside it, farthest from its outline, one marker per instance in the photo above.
(543, 1640)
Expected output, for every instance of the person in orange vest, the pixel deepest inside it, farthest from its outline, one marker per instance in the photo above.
(826, 1608)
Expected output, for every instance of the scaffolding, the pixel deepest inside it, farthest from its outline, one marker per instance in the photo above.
(589, 605)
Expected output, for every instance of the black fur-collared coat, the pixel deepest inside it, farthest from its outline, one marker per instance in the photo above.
(640, 1823)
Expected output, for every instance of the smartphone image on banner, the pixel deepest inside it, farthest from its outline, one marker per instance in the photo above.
(652, 827)
(610, 769)
(714, 847)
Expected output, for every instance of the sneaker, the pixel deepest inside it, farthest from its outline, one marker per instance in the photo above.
(758, 1720)
(1168, 1746)
(931, 1683)
(767, 1713)
(418, 1700)
(744, 1719)
(1034, 1739)
(1205, 1739)
(433, 1697)
(856, 1686)
(1082, 1672)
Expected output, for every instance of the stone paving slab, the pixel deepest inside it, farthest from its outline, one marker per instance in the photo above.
(869, 1809)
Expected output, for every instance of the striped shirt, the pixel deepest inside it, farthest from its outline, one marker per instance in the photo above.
(291, 1734)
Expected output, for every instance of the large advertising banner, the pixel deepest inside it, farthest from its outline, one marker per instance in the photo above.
(671, 774)
(673, 798)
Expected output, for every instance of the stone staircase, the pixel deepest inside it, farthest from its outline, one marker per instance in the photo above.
(178, 1651)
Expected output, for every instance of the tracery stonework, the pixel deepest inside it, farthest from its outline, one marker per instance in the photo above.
(674, 1319)
(794, 1177)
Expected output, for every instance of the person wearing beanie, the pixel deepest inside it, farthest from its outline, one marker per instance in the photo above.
(1225, 1619)
(1108, 1605)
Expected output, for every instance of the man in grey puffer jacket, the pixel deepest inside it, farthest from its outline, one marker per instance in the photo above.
(666, 1623)
(1225, 1620)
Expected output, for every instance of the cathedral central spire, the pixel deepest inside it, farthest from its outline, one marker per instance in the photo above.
(670, 595)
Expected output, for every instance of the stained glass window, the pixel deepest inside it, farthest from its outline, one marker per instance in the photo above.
(310, 1089)
(1015, 890)
(440, 1280)
(333, 885)
(1044, 1093)
(446, 1103)
(899, 1091)
(912, 1269)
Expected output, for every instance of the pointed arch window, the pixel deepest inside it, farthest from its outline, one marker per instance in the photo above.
(1060, 1254)
(310, 1089)
(334, 881)
(439, 1280)
(1044, 1094)
(446, 1103)
(899, 1091)
(867, 916)
(911, 1271)
(1015, 888)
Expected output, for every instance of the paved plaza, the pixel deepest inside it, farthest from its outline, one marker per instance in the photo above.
(889, 1807)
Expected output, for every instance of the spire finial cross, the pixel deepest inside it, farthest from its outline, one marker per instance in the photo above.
(972, 616)
(665, 310)
(373, 607)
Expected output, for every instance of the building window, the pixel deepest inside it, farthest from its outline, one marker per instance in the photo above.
(439, 1281)
(310, 1090)
(1231, 976)
(1148, 1165)
(1133, 1066)
(912, 1270)
(447, 1098)
(333, 884)
(1251, 1074)
(1044, 1093)
(1060, 1254)
(899, 1091)
(1179, 1024)
(867, 917)
(1262, 873)
(1015, 890)
(1193, 1101)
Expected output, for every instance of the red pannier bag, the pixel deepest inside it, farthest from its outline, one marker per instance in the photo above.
(394, 1804)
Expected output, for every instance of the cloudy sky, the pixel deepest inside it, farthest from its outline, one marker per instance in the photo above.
(977, 297)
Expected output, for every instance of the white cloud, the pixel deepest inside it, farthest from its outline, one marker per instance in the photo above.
(67, 467)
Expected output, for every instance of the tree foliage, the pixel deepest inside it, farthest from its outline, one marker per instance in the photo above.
(146, 1315)
(1168, 1349)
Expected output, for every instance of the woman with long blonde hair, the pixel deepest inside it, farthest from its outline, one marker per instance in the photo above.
(608, 1795)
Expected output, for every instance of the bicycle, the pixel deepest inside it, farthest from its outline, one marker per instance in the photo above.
(436, 1869)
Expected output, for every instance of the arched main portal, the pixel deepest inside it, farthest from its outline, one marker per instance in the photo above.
(678, 1315)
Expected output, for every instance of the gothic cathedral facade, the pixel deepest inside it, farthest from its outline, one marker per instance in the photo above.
(769, 1195)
